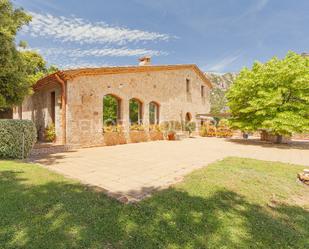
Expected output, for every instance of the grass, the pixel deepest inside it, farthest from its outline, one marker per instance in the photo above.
(233, 203)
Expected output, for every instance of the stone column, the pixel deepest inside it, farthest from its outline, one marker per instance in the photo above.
(145, 112)
(125, 117)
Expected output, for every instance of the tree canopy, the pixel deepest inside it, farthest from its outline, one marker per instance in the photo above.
(273, 96)
(19, 70)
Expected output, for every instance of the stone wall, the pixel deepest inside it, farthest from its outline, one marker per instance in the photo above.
(37, 108)
(167, 88)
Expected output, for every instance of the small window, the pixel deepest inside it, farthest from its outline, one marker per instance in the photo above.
(188, 85)
(202, 91)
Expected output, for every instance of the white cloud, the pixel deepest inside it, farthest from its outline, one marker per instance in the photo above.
(223, 64)
(98, 52)
(75, 29)
(80, 64)
(78, 58)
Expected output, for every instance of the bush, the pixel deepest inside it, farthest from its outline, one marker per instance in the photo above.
(170, 125)
(155, 127)
(113, 128)
(50, 133)
(190, 127)
(208, 130)
(223, 129)
(137, 127)
(12, 133)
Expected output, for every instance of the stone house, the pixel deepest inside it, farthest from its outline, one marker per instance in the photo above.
(73, 99)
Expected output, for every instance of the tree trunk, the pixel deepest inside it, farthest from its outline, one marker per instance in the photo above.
(279, 139)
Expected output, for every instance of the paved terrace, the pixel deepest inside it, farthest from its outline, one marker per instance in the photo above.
(133, 171)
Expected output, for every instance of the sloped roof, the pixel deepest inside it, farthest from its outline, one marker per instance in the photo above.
(73, 73)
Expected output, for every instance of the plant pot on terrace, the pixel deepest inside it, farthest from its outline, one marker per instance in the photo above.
(50, 133)
(113, 135)
(114, 138)
(138, 134)
(155, 133)
(171, 135)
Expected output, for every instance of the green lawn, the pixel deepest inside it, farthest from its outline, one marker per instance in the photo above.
(234, 203)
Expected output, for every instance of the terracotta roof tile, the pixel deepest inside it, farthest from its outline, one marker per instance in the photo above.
(71, 74)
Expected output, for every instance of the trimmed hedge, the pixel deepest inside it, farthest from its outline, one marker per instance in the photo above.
(11, 138)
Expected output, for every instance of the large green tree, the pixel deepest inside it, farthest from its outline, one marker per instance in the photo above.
(273, 96)
(13, 86)
(19, 68)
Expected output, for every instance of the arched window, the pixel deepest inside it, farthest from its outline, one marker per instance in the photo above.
(135, 111)
(188, 117)
(153, 113)
(111, 110)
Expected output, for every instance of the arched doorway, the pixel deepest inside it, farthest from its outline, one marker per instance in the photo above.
(188, 117)
(153, 113)
(135, 111)
(111, 110)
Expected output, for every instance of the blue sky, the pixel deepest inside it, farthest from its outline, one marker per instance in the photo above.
(217, 35)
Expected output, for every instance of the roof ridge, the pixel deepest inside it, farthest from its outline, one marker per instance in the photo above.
(72, 73)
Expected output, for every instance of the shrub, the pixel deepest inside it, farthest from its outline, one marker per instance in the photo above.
(155, 127)
(50, 133)
(224, 132)
(17, 138)
(137, 127)
(208, 130)
(223, 129)
(170, 125)
(113, 128)
(190, 127)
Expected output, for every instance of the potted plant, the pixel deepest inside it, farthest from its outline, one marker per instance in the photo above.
(190, 127)
(171, 135)
(137, 133)
(113, 135)
(50, 133)
(155, 132)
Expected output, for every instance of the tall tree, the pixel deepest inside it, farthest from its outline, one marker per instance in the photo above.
(13, 86)
(19, 68)
(273, 96)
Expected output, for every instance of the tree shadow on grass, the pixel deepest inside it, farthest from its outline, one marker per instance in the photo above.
(60, 214)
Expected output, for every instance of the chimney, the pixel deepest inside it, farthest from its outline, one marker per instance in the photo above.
(145, 61)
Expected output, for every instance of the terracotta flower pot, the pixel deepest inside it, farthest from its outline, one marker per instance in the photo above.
(138, 136)
(171, 136)
(114, 138)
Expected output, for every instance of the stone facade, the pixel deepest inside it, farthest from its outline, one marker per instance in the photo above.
(177, 92)
(37, 108)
